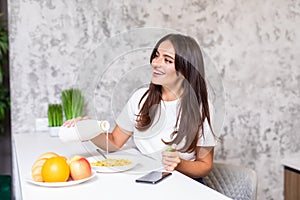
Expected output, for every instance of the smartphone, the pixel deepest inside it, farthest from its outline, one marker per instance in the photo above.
(153, 177)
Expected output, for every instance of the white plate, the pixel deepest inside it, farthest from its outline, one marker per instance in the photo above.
(115, 168)
(60, 184)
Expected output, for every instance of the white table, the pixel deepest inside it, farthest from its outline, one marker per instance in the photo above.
(27, 148)
(291, 176)
(292, 161)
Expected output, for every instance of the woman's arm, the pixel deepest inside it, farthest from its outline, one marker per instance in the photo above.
(194, 169)
(116, 139)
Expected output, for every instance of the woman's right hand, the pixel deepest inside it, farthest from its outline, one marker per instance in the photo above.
(71, 122)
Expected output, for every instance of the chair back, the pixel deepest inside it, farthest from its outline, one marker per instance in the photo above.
(236, 182)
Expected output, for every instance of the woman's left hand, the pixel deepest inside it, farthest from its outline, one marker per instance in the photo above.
(170, 159)
(71, 122)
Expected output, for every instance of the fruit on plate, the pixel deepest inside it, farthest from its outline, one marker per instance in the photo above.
(76, 157)
(51, 167)
(55, 169)
(36, 170)
(48, 155)
(80, 168)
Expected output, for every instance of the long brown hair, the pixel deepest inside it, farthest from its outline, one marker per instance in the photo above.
(194, 107)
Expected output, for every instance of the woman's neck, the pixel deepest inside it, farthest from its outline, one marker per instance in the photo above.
(171, 94)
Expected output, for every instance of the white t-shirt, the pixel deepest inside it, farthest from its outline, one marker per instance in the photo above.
(149, 141)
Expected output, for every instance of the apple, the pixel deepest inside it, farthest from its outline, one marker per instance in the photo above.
(80, 168)
(76, 157)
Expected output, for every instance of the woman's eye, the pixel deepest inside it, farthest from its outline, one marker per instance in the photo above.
(168, 61)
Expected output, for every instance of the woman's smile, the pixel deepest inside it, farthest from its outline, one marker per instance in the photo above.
(157, 73)
(163, 65)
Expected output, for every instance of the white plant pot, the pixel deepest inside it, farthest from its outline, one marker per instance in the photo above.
(53, 131)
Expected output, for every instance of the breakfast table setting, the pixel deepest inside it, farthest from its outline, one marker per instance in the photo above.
(103, 182)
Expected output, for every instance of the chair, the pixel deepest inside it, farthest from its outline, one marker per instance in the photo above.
(234, 181)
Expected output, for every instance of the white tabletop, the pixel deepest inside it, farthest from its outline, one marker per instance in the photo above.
(28, 147)
(293, 161)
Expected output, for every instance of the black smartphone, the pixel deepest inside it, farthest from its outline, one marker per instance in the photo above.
(153, 177)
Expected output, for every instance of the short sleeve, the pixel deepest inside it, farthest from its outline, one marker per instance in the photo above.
(126, 119)
(207, 139)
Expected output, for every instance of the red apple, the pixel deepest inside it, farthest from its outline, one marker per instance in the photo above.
(76, 157)
(80, 168)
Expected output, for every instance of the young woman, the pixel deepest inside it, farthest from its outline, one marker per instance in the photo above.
(173, 111)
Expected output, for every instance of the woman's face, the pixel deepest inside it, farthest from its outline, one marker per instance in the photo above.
(163, 66)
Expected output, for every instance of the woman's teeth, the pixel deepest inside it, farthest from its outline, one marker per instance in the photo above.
(158, 73)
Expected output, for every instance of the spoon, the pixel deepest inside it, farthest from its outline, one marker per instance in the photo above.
(102, 154)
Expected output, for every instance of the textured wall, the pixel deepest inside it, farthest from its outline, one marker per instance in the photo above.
(254, 44)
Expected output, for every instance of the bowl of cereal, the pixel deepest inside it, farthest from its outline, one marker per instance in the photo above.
(113, 163)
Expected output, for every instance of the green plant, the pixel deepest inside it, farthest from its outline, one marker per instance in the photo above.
(55, 115)
(73, 103)
(3, 45)
(4, 93)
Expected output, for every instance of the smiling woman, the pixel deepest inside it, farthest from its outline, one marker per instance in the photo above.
(173, 111)
(164, 72)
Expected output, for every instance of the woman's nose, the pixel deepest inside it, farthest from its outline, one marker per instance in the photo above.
(155, 64)
(157, 61)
